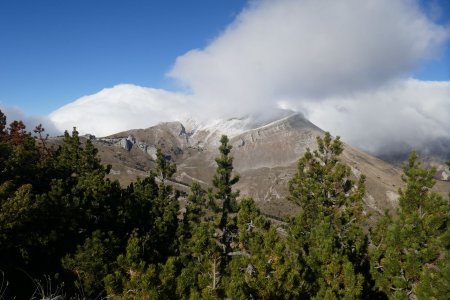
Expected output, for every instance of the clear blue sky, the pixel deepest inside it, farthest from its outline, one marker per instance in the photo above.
(54, 51)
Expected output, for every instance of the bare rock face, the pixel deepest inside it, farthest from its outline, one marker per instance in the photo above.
(265, 155)
(277, 144)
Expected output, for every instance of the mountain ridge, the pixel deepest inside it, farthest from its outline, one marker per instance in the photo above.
(265, 157)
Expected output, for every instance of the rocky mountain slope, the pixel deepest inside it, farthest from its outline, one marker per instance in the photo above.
(265, 155)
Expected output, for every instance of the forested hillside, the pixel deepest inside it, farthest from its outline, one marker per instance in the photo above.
(67, 231)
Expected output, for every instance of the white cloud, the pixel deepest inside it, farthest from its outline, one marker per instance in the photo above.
(392, 119)
(308, 49)
(119, 108)
(346, 64)
(16, 114)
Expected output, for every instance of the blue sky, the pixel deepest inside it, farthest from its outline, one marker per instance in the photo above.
(438, 68)
(52, 51)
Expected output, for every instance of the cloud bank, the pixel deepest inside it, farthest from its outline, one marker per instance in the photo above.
(344, 64)
(390, 120)
(15, 114)
(122, 107)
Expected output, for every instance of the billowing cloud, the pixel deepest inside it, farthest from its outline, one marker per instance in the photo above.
(120, 108)
(345, 64)
(308, 49)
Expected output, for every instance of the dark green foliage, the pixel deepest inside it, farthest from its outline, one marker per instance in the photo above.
(200, 250)
(410, 252)
(165, 168)
(74, 160)
(195, 211)
(19, 157)
(92, 262)
(223, 182)
(328, 233)
(148, 267)
(205, 239)
(262, 265)
(132, 278)
(50, 203)
(165, 210)
(55, 204)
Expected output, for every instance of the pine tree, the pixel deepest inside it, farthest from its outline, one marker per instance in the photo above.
(69, 154)
(92, 262)
(133, 278)
(206, 234)
(19, 156)
(223, 181)
(328, 233)
(165, 209)
(165, 169)
(410, 252)
(138, 199)
(262, 266)
(194, 212)
(22, 179)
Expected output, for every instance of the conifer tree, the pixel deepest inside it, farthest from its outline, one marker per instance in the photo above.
(205, 239)
(165, 209)
(194, 213)
(92, 262)
(223, 181)
(69, 153)
(19, 156)
(133, 278)
(410, 252)
(199, 250)
(206, 235)
(262, 266)
(136, 211)
(165, 168)
(328, 233)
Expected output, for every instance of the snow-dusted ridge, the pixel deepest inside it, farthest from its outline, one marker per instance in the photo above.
(238, 125)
